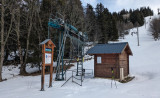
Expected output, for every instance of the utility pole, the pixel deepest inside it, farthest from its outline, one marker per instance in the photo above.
(137, 36)
(145, 22)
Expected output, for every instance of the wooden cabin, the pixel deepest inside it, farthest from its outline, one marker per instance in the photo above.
(112, 56)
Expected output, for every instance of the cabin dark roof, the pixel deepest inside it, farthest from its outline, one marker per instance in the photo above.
(108, 48)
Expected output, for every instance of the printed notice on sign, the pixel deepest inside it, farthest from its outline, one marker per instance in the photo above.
(99, 61)
(48, 58)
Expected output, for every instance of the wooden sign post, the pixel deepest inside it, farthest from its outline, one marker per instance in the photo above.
(47, 60)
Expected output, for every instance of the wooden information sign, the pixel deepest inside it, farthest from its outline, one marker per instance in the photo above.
(47, 60)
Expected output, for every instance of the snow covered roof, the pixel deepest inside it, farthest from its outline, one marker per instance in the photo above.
(45, 41)
(109, 48)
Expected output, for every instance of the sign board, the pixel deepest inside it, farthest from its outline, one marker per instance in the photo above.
(48, 58)
(99, 60)
(48, 49)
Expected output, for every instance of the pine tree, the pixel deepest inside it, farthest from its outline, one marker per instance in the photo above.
(114, 30)
(99, 17)
(107, 24)
(137, 16)
(90, 23)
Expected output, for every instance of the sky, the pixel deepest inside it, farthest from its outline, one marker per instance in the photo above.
(118, 5)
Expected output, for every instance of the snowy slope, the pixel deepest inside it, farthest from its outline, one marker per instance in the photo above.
(144, 65)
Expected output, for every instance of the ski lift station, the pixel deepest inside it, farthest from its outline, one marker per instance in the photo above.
(111, 57)
(110, 60)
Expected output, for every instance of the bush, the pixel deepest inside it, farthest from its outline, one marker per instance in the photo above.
(155, 28)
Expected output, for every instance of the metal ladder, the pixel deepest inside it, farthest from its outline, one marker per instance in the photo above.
(79, 66)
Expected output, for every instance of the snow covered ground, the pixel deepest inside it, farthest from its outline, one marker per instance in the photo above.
(144, 65)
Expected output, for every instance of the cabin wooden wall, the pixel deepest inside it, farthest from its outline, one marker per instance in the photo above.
(116, 61)
(124, 62)
(104, 69)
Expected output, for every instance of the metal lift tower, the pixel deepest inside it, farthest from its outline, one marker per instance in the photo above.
(77, 38)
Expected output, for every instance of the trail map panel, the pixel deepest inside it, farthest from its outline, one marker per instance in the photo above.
(48, 58)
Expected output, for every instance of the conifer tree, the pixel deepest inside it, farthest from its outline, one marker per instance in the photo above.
(90, 23)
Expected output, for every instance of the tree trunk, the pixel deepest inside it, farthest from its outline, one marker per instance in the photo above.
(27, 46)
(4, 34)
(31, 12)
(2, 39)
(1, 60)
(17, 22)
(22, 68)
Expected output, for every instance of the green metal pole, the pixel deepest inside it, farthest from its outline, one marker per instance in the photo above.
(62, 43)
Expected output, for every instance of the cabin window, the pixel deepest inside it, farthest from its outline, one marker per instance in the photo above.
(99, 60)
